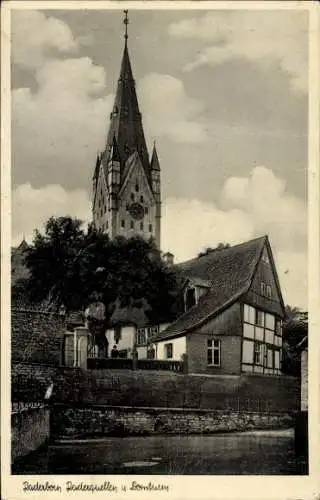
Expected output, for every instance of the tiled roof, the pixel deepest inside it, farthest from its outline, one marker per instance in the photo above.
(230, 272)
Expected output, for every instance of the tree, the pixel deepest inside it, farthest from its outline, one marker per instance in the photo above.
(220, 246)
(76, 267)
(56, 262)
(295, 328)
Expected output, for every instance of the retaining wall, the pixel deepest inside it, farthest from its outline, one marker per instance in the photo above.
(30, 428)
(122, 421)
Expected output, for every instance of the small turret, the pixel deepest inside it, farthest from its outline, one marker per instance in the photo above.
(113, 173)
(96, 173)
(155, 171)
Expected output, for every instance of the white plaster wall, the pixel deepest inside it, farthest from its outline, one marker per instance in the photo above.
(126, 340)
(142, 352)
(179, 348)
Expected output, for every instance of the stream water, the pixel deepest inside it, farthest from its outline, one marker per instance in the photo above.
(264, 452)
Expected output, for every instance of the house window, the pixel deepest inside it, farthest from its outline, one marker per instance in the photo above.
(132, 196)
(132, 224)
(141, 336)
(268, 291)
(107, 224)
(259, 318)
(141, 226)
(137, 187)
(213, 352)
(278, 327)
(263, 288)
(150, 228)
(258, 353)
(141, 198)
(168, 350)
(122, 222)
(146, 210)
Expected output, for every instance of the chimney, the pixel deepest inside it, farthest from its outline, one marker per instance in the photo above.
(168, 258)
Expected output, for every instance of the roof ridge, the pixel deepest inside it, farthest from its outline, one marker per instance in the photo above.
(264, 238)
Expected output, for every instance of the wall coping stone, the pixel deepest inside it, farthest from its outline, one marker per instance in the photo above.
(153, 409)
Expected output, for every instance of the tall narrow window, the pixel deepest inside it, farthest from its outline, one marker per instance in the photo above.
(258, 353)
(132, 224)
(132, 196)
(141, 226)
(263, 288)
(146, 210)
(168, 351)
(213, 352)
(122, 223)
(141, 198)
(259, 318)
(137, 187)
(150, 228)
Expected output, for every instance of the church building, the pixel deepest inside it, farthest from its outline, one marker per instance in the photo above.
(126, 182)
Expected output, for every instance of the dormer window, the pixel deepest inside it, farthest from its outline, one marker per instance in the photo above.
(194, 290)
(190, 299)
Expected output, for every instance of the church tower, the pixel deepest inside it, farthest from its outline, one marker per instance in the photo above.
(126, 183)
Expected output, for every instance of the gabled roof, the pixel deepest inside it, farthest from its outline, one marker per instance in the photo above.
(230, 272)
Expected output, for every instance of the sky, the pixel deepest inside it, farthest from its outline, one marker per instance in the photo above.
(223, 93)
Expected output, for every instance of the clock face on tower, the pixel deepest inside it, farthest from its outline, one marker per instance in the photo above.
(136, 211)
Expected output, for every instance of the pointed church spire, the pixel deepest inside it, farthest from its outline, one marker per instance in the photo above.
(155, 164)
(125, 119)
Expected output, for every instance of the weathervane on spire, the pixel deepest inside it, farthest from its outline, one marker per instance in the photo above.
(126, 22)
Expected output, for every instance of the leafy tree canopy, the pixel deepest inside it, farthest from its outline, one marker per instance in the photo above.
(295, 328)
(75, 267)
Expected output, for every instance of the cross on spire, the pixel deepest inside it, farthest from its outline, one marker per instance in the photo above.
(126, 22)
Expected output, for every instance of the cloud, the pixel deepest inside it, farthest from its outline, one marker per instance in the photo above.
(264, 37)
(172, 113)
(250, 207)
(57, 130)
(33, 207)
(34, 35)
(272, 208)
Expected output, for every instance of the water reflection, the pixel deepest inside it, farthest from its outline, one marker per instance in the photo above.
(245, 453)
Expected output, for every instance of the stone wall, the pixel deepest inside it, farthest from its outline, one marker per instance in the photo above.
(121, 421)
(29, 382)
(37, 336)
(30, 428)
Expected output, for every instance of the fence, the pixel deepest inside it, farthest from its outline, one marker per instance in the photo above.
(128, 364)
